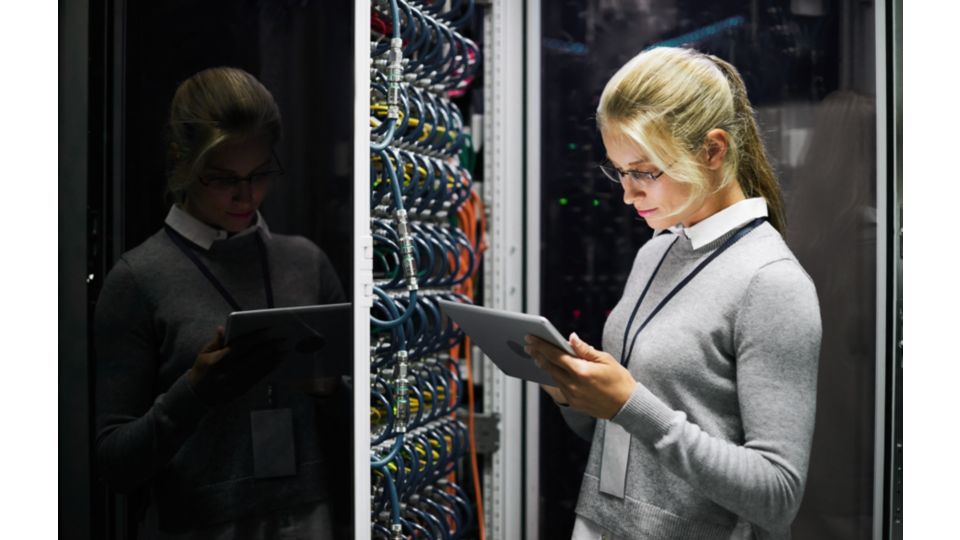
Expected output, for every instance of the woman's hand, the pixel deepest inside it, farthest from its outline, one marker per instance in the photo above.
(593, 382)
(211, 353)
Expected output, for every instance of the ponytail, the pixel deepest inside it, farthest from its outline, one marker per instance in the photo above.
(753, 169)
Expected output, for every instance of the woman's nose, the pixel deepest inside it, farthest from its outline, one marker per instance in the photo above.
(244, 192)
(631, 193)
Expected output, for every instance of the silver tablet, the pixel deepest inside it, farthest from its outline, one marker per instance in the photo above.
(500, 335)
(318, 337)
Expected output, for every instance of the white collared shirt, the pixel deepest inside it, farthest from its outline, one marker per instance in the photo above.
(202, 234)
(723, 221)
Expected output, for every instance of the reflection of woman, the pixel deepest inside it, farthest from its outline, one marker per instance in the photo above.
(176, 410)
(834, 206)
(701, 425)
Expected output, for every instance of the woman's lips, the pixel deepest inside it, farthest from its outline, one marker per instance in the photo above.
(645, 213)
(239, 215)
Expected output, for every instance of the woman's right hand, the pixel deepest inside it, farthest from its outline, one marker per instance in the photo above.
(211, 353)
(221, 374)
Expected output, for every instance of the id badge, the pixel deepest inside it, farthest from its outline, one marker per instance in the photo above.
(273, 450)
(616, 456)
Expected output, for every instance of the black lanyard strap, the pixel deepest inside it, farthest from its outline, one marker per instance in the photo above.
(182, 243)
(626, 353)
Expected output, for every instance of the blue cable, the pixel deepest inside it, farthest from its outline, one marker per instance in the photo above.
(390, 419)
(391, 492)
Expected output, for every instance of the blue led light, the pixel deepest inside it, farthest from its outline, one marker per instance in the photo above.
(569, 47)
(701, 33)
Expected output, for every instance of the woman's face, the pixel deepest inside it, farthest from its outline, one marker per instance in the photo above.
(656, 201)
(218, 198)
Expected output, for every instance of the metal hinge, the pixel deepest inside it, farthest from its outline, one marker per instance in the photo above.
(365, 272)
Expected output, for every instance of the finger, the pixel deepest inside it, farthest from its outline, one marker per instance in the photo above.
(215, 356)
(545, 358)
(544, 349)
(582, 348)
(585, 350)
(215, 343)
(563, 377)
(558, 357)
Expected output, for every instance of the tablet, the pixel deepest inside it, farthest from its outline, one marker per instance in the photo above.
(500, 335)
(318, 337)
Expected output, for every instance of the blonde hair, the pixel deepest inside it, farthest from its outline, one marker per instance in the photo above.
(667, 99)
(213, 107)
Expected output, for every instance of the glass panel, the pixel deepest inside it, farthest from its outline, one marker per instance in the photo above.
(254, 441)
(808, 66)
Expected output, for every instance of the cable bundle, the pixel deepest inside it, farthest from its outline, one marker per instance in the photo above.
(426, 247)
(414, 488)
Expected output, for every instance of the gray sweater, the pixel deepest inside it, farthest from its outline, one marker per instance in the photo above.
(721, 421)
(154, 314)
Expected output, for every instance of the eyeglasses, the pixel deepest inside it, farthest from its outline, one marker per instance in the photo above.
(614, 174)
(258, 180)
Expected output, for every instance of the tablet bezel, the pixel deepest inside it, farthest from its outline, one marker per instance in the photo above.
(494, 330)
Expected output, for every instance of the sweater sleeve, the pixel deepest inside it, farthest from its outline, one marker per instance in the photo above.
(137, 431)
(777, 338)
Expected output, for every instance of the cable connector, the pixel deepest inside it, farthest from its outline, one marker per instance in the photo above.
(401, 393)
(394, 77)
(406, 250)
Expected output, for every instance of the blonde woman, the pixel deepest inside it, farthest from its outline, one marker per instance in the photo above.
(223, 453)
(701, 402)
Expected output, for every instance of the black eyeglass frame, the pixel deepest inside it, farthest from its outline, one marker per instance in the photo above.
(235, 181)
(615, 175)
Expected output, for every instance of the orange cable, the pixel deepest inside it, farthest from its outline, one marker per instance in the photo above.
(467, 214)
(473, 443)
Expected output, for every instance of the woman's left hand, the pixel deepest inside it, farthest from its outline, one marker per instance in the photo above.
(594, 383)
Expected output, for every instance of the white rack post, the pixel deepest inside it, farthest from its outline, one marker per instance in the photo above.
(503, 276)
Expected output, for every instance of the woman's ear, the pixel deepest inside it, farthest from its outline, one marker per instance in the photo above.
(716, 145)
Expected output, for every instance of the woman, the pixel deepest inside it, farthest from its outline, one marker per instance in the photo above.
(701, 403)
(177, 411)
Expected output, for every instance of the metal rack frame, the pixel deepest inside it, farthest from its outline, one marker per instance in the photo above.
(503, 275)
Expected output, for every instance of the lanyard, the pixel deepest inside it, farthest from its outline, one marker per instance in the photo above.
(181, 243)
(624, 357)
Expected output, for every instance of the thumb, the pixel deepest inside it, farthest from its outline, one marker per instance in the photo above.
(215, 343)
(584, 350)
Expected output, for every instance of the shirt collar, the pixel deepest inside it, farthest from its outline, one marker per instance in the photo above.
(204, 235)
(722, 222)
